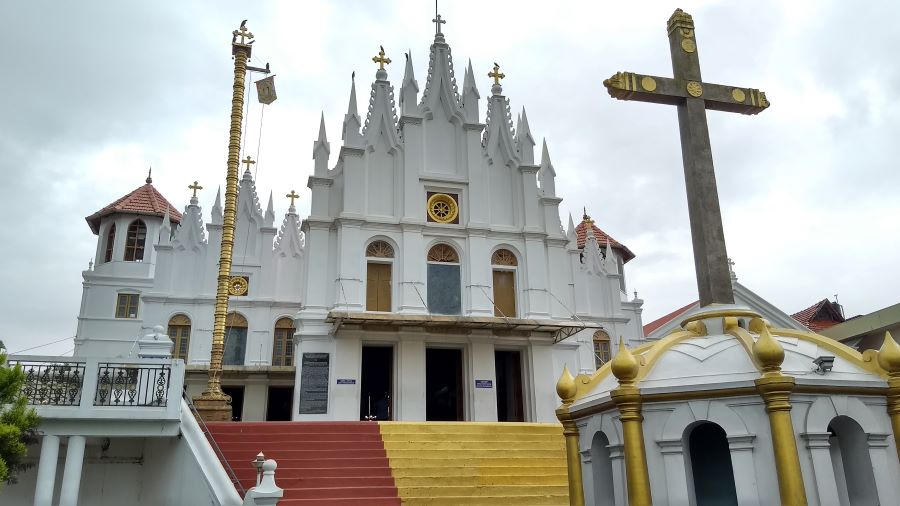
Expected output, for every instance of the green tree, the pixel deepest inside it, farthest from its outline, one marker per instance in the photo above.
(17, 421)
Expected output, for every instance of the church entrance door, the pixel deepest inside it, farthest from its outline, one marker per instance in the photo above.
(376, 382)
(443, 385)
(278, 406)
(237, 401)
(508, 367)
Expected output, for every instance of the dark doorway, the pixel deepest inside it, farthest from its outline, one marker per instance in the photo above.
(278, 408)
(508, 367)
(443, 385)
(711, 466)
(376, 382)
(237, 401)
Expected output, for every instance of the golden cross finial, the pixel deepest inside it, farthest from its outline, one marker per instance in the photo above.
(380, 59)
(293, 195)
(496, 73)
(196, 186)
(248, 162)
(243, 33)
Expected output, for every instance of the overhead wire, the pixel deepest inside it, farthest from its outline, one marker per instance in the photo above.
(42, 345)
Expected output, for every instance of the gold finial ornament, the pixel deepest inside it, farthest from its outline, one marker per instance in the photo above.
(293, 195)
(496, 74)
(768, 351)
(380, 59)
(625, 366)
(248, 162)
(566, 387)
(196, 186)
(889, 355)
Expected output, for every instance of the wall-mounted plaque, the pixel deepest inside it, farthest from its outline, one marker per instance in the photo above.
(314, 384)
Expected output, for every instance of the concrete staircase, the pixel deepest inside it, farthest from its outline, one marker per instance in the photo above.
(468, 463)
(393, 463)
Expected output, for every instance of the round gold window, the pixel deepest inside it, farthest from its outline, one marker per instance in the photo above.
(238, 286)
(442, 208)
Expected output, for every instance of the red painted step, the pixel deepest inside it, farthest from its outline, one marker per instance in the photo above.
(319, 463)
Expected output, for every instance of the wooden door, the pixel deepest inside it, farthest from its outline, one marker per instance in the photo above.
(378, 287)
(505, 293)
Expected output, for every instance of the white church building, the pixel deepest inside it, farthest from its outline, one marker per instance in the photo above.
(432, 280)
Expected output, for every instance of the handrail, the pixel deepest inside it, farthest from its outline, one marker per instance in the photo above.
(215, 446)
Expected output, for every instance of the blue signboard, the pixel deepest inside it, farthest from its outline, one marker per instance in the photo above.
(484, 383)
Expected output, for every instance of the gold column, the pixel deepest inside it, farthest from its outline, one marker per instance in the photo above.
(627, 397)
(213, 404)
(566, 390)
(889, 360)
(775, 389)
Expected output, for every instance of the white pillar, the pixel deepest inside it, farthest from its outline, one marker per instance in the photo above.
(741, 448)
(68, 494)
(620, 490)
(46, 474)
(676, 478)
(587, 473)
(885, 479)
(820, 451)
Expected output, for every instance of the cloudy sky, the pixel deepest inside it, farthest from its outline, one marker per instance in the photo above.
(95, 92)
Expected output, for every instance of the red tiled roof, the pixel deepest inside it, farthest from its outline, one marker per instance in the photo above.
(145, 200)
(659, 322)
(602, 239)
(819, 316)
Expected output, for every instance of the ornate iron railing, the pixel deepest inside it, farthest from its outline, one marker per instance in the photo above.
(52, 383)
(133, 385)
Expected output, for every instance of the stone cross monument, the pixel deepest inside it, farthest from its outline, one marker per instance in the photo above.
(693, 97)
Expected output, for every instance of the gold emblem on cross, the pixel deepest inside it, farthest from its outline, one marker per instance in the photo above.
(496, 73)
(380, 59)
(248, 162)
(196, 186)
(293, 195)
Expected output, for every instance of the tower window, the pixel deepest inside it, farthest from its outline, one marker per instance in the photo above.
(601, 348)
(444, 286)
(127, 305)
(283, 345)
(110, 242)
(134, 241)
(180, 333)
(235, 339)
(504, 267)
(378, 276)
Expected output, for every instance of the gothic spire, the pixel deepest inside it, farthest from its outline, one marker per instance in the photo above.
(352, 121)
(381, 118)
(470, 95)
(547, 174)
(321, 151)
(289, 241)
(440, 85)
(570, 233)
(524, 140)
(165, 231)
(216, 218)
(409, 90)
(499, 137)
(190, 234)
(270, 212)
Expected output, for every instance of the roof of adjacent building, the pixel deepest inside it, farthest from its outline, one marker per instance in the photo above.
(145, 200)
(662, 320)
(602, 239)
(819, 316)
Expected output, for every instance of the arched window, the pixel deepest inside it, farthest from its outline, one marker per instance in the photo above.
(710, 465)
(602, 471)
(378, 276)
(283, 347)
(235, 339)
(110, 243)
(444, 286)
(504, 265)
(852, 465)
(602, 352)
(134, 241)
(180, 333)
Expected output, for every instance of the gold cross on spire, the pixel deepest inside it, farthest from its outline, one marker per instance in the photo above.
(293, 195)
(243, 33)
(196, 186)
(496, 73)
(380, 59)
(248, 162)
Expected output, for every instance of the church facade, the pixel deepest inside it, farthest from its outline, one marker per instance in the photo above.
(432, 280)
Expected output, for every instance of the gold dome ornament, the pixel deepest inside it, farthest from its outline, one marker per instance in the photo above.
(566, 387)
(625, 365)
(889, 355)
(238, 286)
(768, 352)
(442, 208)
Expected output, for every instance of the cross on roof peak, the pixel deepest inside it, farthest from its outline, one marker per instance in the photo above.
(196, 186)
(293, 195)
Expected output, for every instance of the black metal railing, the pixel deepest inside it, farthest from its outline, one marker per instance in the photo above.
(132, 385)
(52, 383)
(215, 446)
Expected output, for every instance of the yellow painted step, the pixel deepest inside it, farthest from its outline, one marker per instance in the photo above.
(473, 480)
(509, 437)
(443, 472)
(521, 452)
(477, 445)
(511, 491)
(553, 500)
(477, 462)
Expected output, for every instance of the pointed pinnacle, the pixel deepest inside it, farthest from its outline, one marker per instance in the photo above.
(271, 207)
(322, 137)
(352, 108)
(545, 154)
